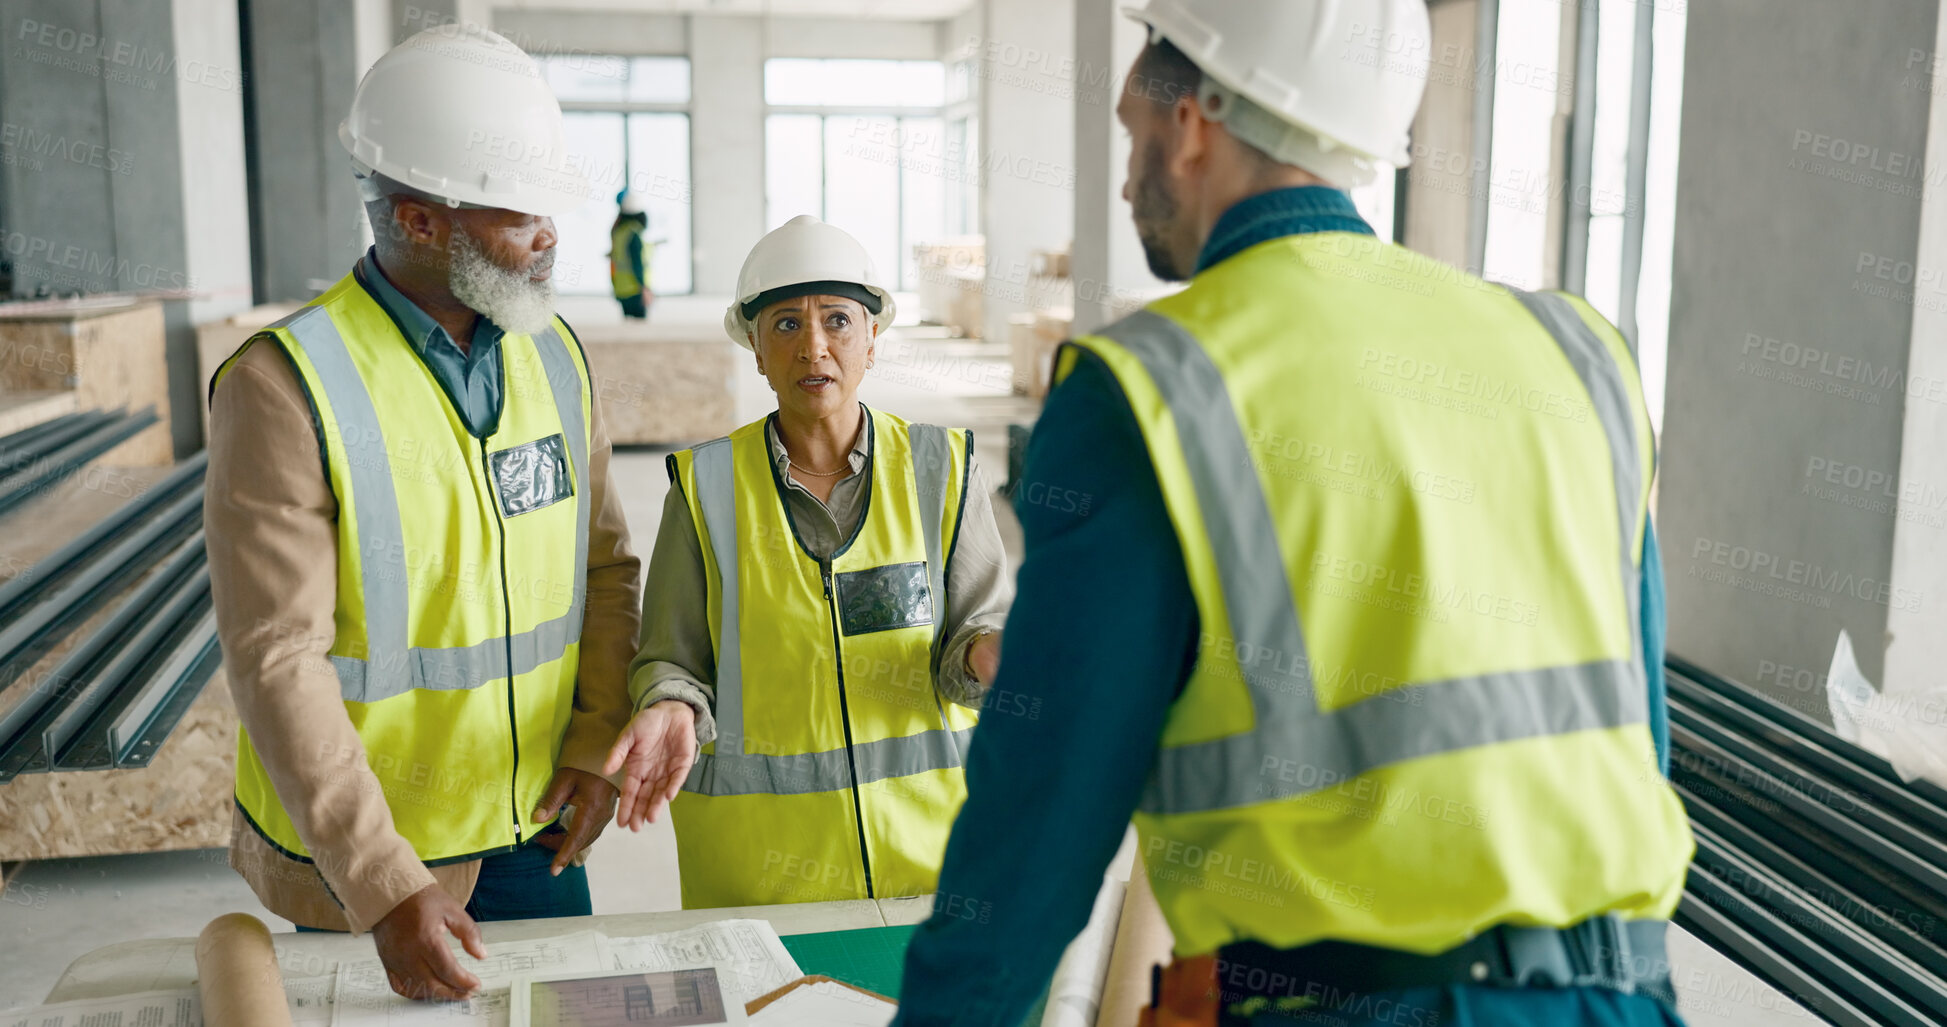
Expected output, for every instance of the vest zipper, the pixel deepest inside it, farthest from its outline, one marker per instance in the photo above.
(507, 639)
(845, 720)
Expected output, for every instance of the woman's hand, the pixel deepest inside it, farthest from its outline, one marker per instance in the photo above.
(984, 657)
(658, 748)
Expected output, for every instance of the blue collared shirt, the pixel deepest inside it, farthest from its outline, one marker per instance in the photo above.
(472, 379)
(1072, 725)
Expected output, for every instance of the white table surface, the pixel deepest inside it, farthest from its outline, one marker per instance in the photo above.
(170, 963)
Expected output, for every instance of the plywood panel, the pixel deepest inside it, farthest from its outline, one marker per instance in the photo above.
(111, 355)
(180, 801)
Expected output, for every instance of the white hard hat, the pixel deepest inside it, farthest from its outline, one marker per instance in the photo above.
(1329, 85)
(463, 115)
(805, 251)
(630, 203)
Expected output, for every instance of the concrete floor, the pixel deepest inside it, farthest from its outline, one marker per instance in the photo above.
(52, 912)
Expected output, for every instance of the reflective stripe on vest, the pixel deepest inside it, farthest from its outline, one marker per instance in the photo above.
(392, 667)
(730, 770)
(1433, 717)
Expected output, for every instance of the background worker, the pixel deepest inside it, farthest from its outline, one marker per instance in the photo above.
(1384, 735)
(629, 256)
(422, 579)
(823, 610)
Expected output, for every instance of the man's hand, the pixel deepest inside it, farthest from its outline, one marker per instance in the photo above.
(658, 747)
(984, 657)
(591, 796)
(412, 944)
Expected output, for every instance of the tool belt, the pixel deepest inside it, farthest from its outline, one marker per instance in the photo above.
(1605, 952)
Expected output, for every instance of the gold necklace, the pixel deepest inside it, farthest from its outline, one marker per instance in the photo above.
(816, 474)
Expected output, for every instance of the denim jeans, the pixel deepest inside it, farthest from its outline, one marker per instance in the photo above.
(516, 886)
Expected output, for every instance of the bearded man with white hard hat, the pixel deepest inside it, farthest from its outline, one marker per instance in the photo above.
(423, 581)
(1363, 625)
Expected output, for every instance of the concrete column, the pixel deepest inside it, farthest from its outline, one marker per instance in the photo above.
(1792, 308)
(1108, 266)
(123, 164)
(1027, 152)
(726, 145)
(306, 58)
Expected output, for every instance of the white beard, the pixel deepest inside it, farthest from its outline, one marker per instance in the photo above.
(510, 299)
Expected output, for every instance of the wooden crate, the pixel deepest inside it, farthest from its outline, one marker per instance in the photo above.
(108, 351)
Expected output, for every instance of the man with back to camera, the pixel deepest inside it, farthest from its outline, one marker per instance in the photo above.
(1374, 663)
(423, 581)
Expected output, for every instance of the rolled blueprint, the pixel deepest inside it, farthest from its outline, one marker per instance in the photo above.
(1142, 940)
(1075, 993)
(236, 972)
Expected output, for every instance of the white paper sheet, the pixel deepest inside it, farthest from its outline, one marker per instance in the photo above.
(1906, 727)
(310, 999)
(148, 1009)
(364, 999)
(748, 957)
(825, 1004)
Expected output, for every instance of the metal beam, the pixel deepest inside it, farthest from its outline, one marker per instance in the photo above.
(23, 483)
(27, 587)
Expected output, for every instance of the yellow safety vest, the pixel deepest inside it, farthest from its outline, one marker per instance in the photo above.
(837, 770)
(621, 273)
(462, 568)
(1411, 505)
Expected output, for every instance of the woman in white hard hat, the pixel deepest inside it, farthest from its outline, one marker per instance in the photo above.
(823, 613)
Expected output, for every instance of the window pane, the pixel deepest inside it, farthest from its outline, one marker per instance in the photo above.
(793, 81)
(659, 79)
(1615, 50)
(1520, 176)
(1604, 290)
(921, 84)
(862, 188)
(1375, 202)
(581, 255)
(970, 177)
(659, 172)
(586, 76)
(1660, 209)
(923, 193)
(959, 82)
(794, 180)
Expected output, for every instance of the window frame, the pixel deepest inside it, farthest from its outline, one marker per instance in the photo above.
(946, 113)
(624, 108)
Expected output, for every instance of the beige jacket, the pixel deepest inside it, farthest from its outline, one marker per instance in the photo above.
(270, 518)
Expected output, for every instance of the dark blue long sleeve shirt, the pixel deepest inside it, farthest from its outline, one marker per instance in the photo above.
(1099, 643)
